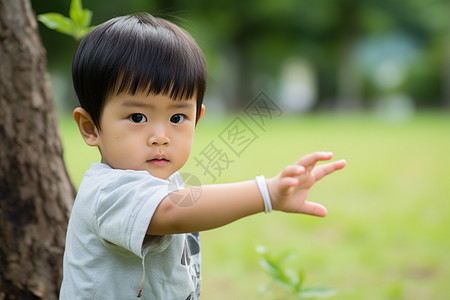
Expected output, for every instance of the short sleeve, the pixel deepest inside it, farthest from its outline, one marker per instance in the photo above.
(125, 206)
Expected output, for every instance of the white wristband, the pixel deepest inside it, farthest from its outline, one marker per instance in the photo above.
(261, 182)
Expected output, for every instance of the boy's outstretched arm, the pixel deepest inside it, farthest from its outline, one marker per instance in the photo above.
(221, 204)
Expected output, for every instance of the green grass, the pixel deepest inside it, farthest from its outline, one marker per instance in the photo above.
(387, 232)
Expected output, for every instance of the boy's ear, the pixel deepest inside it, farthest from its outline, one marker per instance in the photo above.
(86, 126)
(202, 111)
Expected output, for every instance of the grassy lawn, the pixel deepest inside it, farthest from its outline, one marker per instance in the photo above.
(387, 235)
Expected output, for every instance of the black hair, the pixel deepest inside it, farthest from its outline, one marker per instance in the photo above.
(137, 53)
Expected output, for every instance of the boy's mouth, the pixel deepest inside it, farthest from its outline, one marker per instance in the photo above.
(158, 162)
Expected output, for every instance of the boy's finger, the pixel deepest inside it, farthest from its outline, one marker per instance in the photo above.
(314, 209)
(293, 170)
(312, 158)
(323, 170)
(288, 183)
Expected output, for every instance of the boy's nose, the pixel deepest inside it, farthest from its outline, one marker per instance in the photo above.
(159, 136)
(159, 140)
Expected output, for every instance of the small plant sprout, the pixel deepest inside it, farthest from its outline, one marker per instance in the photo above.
(77, 26)
(288, 281)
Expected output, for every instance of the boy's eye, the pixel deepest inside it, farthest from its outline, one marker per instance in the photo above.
(177, 118)
(138, 118)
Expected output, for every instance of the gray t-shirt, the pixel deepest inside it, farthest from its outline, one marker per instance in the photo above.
(108, 254)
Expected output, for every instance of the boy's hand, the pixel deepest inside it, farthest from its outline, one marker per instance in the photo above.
(288, 190)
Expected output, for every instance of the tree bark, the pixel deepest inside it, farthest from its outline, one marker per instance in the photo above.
(36, 194)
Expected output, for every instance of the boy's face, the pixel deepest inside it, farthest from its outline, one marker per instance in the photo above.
(147, 132)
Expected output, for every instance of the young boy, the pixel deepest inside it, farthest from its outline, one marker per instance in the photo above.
(140, 81)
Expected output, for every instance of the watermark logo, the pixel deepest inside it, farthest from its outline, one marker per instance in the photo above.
(261, 109)
(179, 192)
(238, 136)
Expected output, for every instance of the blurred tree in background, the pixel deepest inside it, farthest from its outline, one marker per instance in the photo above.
(319, 54)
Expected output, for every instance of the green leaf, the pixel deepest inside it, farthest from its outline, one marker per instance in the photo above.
(81, 17)
(76, 9)
(301, 279)
(316, 292)
(292, 277)
(285, 279)
(288, 279)
(57, 22)
(271, 268)
(77, 26)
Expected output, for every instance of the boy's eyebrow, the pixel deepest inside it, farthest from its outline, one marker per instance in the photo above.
(131, 103)
(181, 105)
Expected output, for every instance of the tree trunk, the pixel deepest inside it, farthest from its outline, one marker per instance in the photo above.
(36, 194)
(446, 73)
